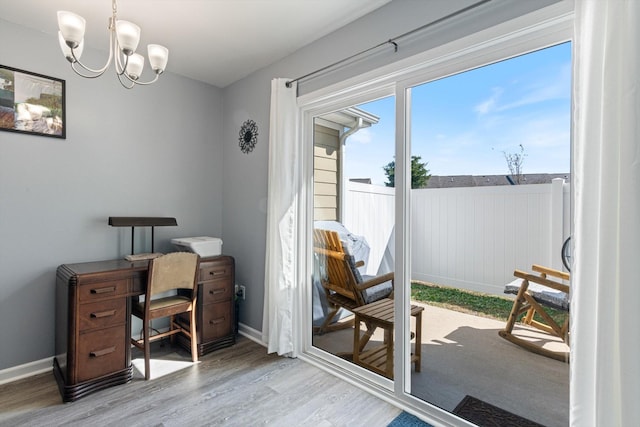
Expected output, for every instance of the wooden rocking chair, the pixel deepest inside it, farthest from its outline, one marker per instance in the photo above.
(343, 285)
(533, 294)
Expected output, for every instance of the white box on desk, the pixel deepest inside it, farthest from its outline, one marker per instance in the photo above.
(204, 246)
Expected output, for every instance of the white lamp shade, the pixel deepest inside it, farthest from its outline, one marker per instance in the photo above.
(72, 27)
(158, 57)
(128, 36)
(66, 50)
(135, 66)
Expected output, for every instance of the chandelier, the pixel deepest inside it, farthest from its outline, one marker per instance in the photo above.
(123, 41)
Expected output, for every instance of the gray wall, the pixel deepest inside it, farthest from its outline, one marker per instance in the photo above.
(150, 151)
(245, 176)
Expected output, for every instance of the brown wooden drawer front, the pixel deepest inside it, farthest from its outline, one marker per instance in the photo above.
(216, 291)
(102, 314)
(216, 321)
(101, 290)
(101, 352)
(213, 271)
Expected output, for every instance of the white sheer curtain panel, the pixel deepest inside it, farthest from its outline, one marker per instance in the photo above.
(605, 341)
(281, 261)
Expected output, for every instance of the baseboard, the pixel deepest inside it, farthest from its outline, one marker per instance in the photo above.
(30, 369)
(253, 334)
(19, 372)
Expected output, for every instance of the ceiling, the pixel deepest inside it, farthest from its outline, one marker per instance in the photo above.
(214, 41)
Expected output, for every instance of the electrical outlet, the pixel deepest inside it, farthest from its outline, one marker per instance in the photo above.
(241, 291)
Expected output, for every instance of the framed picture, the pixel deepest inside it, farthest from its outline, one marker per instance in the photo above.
(31, 103)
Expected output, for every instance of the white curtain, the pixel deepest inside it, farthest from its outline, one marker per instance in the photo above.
(281, 261)
(605, 365)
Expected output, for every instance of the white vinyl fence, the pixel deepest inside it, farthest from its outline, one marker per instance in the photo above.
(468, 237)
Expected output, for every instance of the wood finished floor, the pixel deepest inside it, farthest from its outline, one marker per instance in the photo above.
(236, 386)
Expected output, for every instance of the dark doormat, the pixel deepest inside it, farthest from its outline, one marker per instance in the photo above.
(484, 414)
(405, 419)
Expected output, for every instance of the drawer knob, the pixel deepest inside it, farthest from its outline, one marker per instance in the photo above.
(102, 352)
(217, 291)
(217, 272)
(103, 290)
(216, 321)
(100, 314)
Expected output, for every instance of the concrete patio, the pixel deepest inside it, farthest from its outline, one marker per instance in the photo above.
(462, 354)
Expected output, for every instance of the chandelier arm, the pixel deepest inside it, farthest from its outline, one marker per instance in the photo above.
(81, 74)
(99, 71)
(120, 69)
(143, 83)
(123, 83)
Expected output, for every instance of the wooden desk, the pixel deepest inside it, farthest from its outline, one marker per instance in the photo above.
(93, 319)
(381, 314)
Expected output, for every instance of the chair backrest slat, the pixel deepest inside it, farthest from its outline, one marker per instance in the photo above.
(339, 276)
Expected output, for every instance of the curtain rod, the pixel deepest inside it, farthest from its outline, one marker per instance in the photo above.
(392, 41)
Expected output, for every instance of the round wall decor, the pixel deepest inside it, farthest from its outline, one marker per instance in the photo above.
(248, 136)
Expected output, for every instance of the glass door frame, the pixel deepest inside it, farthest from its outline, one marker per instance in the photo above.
(314, 354)
(522, 35)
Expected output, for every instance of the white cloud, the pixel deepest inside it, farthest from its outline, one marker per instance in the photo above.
(546, 88)
(536, 95)
(489, 105)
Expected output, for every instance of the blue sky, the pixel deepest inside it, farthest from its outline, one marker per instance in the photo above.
(463, 124)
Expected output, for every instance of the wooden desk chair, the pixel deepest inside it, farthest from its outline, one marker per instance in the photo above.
(533, 294)
(343, 285)
(168, 273)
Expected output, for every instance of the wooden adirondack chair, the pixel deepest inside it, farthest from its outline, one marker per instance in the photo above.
(534, 293)
(344, 287)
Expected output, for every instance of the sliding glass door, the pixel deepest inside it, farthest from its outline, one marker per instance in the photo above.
(353, 229)
(490, 176)
(427, 193)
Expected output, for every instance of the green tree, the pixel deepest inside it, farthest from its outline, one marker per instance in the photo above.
(419, 173)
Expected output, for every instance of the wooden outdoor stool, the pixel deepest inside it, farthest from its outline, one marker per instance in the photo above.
(379, 314)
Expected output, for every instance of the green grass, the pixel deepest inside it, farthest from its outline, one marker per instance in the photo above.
(470, 302)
